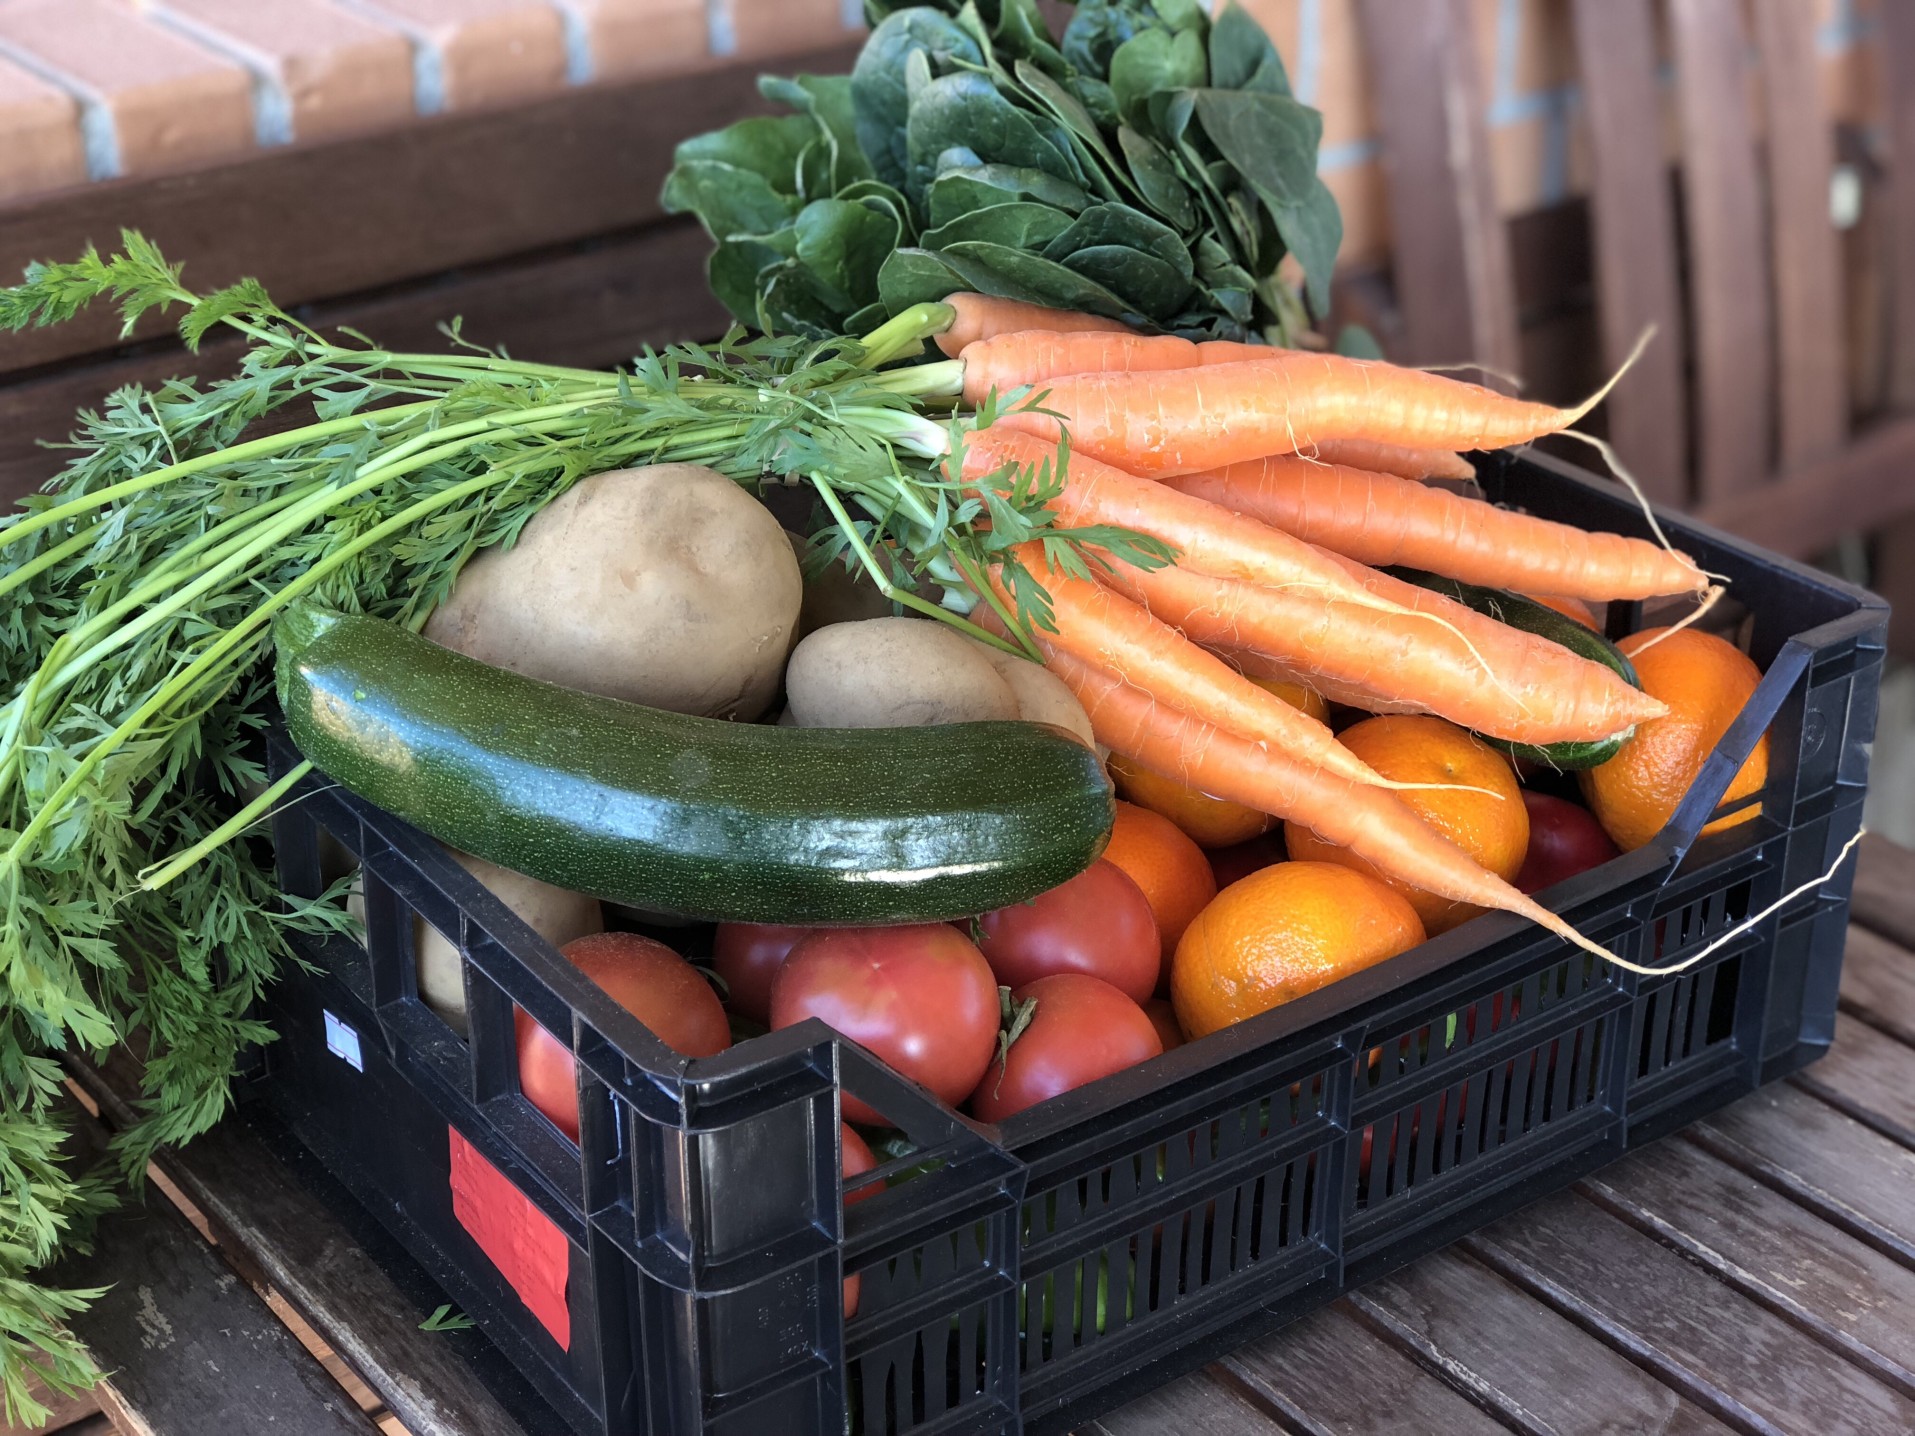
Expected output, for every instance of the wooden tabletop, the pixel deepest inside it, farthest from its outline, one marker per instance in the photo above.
(1753, 1274)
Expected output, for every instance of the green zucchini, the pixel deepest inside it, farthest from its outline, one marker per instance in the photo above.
(728, 821)
(1544, 622)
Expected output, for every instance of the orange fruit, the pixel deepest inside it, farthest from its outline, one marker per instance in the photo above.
(1705, 680)
(1170, 868)
(1568, 607)
(1296, 695)
(1280, 933)
(1412, 748)
(1209, 822)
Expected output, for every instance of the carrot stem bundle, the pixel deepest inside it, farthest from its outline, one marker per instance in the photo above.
(1378, 519)
(1371, 822)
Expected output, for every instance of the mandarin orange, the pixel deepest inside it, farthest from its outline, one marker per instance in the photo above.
(1705, 680)
(1307, 700)
(1171, 869)
(1280, 933)
(1491, 826)
(1207, 821)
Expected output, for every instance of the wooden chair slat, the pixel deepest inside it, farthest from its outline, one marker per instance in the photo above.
(1895, 41)
(1802, 513)
(1894, 575)
(1454, 283)
(1728, 270)
(1633, 217)
(1812, 408)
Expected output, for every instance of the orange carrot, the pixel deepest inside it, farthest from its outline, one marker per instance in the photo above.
(1031, 359)
(1184, 421)
(1008, 361)
(1398, 459)
(1380, 520)
(979, 316)
(1101, 628)
(1254, 664)
(1371, 822)
(1534, 691)
(1208, 539)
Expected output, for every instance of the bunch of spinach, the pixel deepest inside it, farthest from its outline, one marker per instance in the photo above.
(1150, 165)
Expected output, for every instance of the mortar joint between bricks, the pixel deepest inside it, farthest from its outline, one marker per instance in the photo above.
(99, 135)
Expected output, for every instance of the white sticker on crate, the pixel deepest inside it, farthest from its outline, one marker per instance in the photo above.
(343, 1042)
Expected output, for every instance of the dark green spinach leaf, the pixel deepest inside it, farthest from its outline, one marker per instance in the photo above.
(1020, 225)
(1241, 55)
(965, 111)
(1151, 63)
(1141, 280)
(879, 94)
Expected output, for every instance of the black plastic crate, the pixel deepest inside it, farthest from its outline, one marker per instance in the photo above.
(1030, 1275)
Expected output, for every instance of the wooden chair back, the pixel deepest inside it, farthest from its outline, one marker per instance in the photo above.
(1741, 408)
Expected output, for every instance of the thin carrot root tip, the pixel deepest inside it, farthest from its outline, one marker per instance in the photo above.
(1583, 409)
(1723, 939)
(1440, 788)
(1709, 600)
(1621, 471)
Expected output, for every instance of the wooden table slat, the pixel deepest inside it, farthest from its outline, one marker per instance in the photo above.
(1848, 1294)
(1537, 1369)
(1830, 1163)
(1330, 1374)
(1738, 1359)
(1885, 889)
(1196, 1405)
(300, 1248)
(1867, 1074)
(181, 1337)
(1878, 983)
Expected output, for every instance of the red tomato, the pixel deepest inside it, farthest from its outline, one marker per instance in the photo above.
(747, 955)
(921, 998)
(1083, 1029)
(1564, 840)
(1163, 1017)
(648, 980)
(1239, 860)
(854, 1159)
(1099, 923)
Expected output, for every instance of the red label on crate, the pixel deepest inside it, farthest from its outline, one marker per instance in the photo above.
(525, 1245)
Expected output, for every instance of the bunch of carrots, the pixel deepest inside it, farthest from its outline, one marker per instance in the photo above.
(1281, 478)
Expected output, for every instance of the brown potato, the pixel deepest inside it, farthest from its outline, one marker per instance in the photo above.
(553, 913)
(907, 672)
(1041, 694)
(669, 586)
(893, 673)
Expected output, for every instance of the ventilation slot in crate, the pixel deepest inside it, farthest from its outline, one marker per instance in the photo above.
(1406, 1055)
(1682, 931)
(918, 1378)
(1487, 1111)
(1681, 1020)
(1176, 1163)
(1142, 1275)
